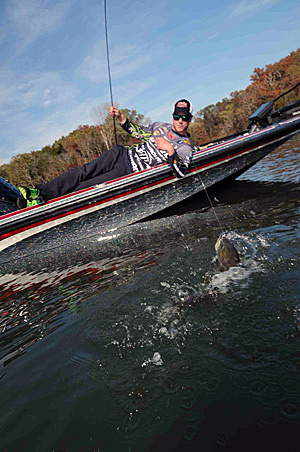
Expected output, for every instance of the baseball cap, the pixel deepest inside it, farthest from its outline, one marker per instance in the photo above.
(183, 107)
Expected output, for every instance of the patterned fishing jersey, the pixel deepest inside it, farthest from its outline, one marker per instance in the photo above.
(146, 154)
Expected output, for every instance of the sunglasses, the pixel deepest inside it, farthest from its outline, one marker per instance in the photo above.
(184, 118)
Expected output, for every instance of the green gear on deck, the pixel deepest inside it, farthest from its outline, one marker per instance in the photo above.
(30, 196)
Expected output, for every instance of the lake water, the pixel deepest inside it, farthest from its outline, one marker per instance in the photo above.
(101, 355)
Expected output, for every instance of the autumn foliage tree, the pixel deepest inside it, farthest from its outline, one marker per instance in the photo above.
(79, 147)
(231, 115)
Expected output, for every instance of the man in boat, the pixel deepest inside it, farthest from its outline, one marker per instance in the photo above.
(160, 142)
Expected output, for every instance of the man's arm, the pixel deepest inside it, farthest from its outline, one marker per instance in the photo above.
(178, 159)
(164, 145)
(115, 113)
(179, 163)
(139, 132)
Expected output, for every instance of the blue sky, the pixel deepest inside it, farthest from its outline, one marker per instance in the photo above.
(53, 58)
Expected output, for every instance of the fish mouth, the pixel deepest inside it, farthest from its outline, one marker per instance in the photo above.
(219, 241)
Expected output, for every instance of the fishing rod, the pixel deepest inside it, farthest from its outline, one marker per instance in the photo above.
(112, 102)
(286, 92)
(108, 69)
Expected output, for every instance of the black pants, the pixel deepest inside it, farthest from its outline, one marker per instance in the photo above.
(109, 165)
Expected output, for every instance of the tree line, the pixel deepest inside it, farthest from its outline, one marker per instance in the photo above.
(231, 114)
(212, 122)
(79, 147)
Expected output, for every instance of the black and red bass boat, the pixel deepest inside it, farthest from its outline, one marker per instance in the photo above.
(100, 210)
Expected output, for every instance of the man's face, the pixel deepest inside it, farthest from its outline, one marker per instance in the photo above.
(180, 126)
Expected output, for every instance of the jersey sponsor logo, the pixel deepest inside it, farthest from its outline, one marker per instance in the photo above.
(171, 136)
(162, 130)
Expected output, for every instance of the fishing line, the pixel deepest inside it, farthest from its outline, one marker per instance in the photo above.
(208, 197)
(108, 69)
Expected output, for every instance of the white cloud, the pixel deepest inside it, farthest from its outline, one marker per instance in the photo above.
(246, 6)
(26, 99)
(211, 37)
(3, 32)
(36, 16)
(161, 112)
(125, 94)
(124, 60)
(6, 90)
(30, 19)
(34, 90)
(35, 134)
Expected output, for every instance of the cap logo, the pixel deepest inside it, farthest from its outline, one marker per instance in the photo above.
(182, 104)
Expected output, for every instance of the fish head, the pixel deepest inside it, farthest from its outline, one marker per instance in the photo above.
(227, 254)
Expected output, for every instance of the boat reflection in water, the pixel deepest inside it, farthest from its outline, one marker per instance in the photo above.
(31, 301)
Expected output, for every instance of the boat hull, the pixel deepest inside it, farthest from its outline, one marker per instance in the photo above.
(99, 211)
